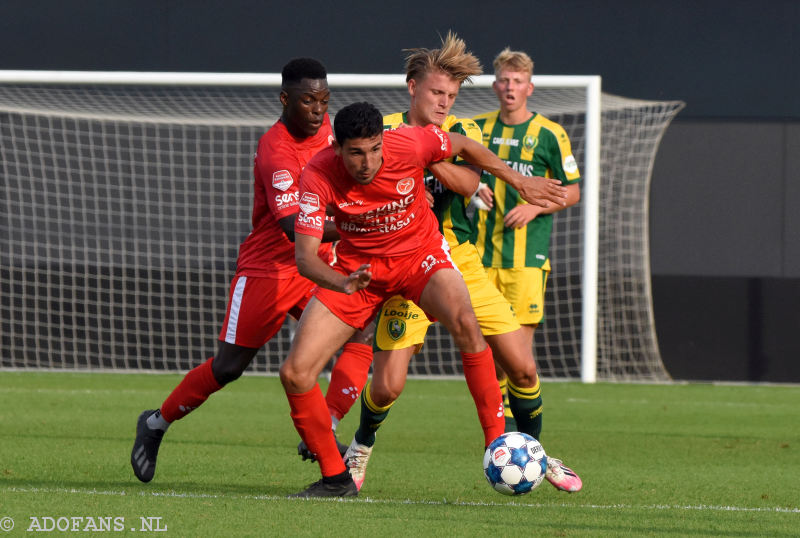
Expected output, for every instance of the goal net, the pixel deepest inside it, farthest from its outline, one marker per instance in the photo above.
(124, 198)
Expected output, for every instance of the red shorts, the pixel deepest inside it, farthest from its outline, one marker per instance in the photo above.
(398, 275)
(257, 307)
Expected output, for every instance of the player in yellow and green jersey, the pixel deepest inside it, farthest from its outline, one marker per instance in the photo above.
(512, 236)
(434, 78)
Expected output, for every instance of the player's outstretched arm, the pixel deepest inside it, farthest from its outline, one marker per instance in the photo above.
(461, 179)
(311, 266)
(535, 190)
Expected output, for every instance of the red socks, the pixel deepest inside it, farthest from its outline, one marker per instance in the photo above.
(482, 383)
(198, 384)
(312, 421)
(348, 377)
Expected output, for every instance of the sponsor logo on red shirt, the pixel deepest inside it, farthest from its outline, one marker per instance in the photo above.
(286, 199)
(309, 202)
(281, 179)
(404, 186)
(440, 134)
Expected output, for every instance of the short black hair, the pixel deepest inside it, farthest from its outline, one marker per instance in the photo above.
(300, 68)
(357, 120)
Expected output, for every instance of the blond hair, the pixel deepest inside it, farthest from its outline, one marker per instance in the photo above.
(513, 60)
(452, 58)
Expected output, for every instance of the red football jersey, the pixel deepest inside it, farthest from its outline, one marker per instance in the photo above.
(278, 162)
(389, 215)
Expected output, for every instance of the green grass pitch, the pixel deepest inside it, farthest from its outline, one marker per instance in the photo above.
(656, 460)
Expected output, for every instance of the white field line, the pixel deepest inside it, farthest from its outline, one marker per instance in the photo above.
(368, 500)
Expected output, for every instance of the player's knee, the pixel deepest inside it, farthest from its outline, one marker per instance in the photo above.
(384, 395)
(385, 389)
(523, 379)
(226, 371)
(465, 331)
(362, 337)
(522, 373)
(463, 322)
(292, 379)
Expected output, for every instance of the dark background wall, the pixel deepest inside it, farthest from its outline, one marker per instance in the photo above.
(725, 231)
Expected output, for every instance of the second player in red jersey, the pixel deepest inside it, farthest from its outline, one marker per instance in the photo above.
(279, 160)
(267, 284)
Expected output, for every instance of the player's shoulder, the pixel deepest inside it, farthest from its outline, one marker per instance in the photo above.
(398, 138)
(322, 158)
(391, 121)
(416, 132)
(464, 126)
(277, 131)
(410, 141)
(277, 140)
(545, 123)
(452, 123)
(486, 116)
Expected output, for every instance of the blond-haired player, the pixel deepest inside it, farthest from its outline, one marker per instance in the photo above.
(512, 236)
(434, 77)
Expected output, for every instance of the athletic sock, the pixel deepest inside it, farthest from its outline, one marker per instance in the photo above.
(372, 416)
(311, 420)
(526, 404)
(511, 424)
(482, 383)
(157, 422)
(348, 376)
(197, 385)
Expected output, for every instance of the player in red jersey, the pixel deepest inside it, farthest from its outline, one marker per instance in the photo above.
(267, 284)
(390, 244)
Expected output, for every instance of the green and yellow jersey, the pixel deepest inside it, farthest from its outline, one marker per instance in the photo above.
(449, 207)
(537, 147)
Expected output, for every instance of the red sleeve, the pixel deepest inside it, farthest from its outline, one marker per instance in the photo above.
(277, 172)
(434, 144)
(314, 195)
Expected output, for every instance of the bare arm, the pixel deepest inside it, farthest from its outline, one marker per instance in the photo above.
(535, 190)
(313, 268)
(520, 215)
(461, 179)
(329, 235)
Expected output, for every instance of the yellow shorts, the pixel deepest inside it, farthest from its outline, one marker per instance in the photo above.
(524, 288)
(401, 323)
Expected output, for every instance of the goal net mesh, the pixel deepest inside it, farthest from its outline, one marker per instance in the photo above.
(122, 209)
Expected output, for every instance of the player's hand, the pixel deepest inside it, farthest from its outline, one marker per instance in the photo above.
(521, 215)
(542, 191)
(483, 197)
(358, 279)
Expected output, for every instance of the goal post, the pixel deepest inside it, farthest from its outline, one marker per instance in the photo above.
(125, 196)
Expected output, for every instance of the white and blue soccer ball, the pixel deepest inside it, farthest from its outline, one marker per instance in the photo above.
(514, 463)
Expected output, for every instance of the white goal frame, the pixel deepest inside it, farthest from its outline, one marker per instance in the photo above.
(590, 188)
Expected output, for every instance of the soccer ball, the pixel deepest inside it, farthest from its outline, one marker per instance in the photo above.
(514, 463)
